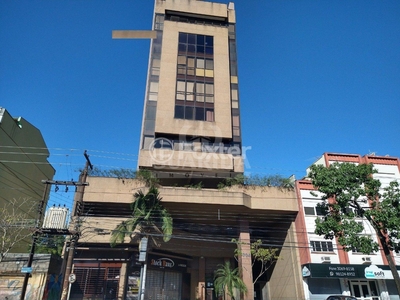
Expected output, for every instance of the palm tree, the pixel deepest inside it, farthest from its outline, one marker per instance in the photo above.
(227, 279)
(148, 217)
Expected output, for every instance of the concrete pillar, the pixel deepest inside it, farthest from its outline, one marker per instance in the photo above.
(202, 279)
(245, 259)
(122, 281)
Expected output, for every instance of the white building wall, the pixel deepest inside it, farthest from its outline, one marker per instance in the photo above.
(386, 174)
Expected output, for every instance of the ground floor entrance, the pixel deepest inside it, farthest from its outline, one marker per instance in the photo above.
(163, 285)
(364, 289)
(95, 281)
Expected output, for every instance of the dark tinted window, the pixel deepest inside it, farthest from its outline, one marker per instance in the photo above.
(179, 112)
(195, 78)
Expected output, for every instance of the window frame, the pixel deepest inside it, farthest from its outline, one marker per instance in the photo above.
(321, 246)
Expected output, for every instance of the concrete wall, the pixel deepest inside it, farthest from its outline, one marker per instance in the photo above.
(286, 280)
(195, 7)
(187, 160)
(103, 189)
(236, 199)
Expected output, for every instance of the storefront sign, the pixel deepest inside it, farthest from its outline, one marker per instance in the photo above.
(346, 271)
(163, 262)
(332, 271)
(373, 272)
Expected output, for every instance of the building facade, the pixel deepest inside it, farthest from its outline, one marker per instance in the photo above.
(326, 267)
(191, 142)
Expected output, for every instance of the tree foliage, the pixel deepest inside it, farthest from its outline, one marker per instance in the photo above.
(257, 180)
(227, 280)
(149, 217)
(16, 223)
(263, 257)
(350, 193)
(50, 244)
(386, 214)
(122, 173)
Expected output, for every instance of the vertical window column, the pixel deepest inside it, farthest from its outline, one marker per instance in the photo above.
(237, 139)
(194, 98)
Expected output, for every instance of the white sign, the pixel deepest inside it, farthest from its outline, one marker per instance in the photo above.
(373, 272)
(72, 278)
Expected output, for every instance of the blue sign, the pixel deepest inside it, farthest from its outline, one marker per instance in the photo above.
(26, 270)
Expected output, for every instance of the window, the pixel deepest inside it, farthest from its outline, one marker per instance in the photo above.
(159, 22)
(194, 99)
(314, 210)
(321, 246)
(309, 211)
(320, 211)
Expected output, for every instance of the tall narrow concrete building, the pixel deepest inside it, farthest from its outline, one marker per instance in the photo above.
(191, 122)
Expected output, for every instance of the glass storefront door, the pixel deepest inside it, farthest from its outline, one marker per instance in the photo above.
(364, 289)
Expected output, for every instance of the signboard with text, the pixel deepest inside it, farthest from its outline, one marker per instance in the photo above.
(26, 270)
(347, 271)
(164, 262)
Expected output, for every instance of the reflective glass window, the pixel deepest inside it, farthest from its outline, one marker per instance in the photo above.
(195, 83)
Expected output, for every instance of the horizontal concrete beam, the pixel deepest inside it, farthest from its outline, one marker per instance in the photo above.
(134, 34)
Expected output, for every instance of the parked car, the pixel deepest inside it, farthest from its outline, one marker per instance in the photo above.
(341, 297)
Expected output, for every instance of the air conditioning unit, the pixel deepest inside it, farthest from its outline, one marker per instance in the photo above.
(325, 259)
(366, 259)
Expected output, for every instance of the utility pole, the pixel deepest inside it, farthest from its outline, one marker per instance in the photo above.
(78, 202)
(34, 240)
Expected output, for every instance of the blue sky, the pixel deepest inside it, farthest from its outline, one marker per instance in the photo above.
(314, 76)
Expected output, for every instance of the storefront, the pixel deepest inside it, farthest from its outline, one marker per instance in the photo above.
(367, 282)
(166, 278)
(95, 280)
